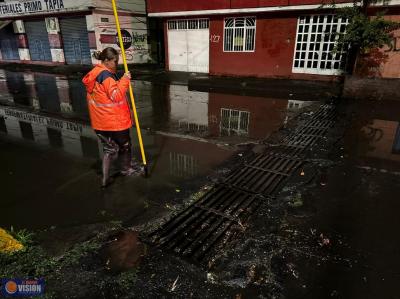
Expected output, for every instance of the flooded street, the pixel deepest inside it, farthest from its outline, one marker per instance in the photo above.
(326, 228)
(346, 240)
(50, 151)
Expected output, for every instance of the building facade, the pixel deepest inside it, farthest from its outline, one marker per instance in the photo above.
(68, 32)
(278, 38)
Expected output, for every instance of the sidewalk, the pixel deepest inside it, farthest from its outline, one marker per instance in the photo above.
(281, 88)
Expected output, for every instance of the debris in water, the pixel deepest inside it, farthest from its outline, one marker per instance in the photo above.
(177, 190)
(323, 240)
(293, 271)
(174, 284)
(302, 172)
(211, 277)
(251, 273)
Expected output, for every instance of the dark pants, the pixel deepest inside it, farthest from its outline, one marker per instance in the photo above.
(115, 141)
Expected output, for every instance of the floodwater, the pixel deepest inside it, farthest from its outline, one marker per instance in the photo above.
(349, 222)
(50, 156)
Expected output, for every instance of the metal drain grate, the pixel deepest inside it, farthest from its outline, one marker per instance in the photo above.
(221, 212)
(264, 174)
(193, 232)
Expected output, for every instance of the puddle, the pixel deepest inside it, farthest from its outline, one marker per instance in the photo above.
(123, 252)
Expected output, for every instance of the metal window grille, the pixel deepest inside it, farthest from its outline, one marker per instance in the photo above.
(239, 34)
(191, 24)
(315, 41)
(182, 165)
(234, 122)
(192, 127)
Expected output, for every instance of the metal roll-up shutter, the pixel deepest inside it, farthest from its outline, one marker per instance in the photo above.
(38, 40)
(8, 43)
(76, 40)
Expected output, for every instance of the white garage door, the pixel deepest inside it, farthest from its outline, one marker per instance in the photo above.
(188, 45)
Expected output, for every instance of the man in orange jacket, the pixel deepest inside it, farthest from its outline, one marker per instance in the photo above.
(109, 111)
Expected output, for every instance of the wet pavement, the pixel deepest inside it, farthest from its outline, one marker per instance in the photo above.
(331, 233)
(50, 151)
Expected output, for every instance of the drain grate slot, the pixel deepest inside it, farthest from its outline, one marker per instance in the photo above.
(305, 140)
(287, 151)
(310, 131)
(320, 124)
(325, 114)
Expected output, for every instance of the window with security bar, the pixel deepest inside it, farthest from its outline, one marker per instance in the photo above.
(234, 122)
(239, 34)
(315, 43)
(190, 24)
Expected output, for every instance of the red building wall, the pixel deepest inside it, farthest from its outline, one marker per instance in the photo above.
(154, 6)
(273, 55)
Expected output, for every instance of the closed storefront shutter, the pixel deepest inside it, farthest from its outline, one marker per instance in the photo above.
(76, 40)
(38, 40)
(8, 43)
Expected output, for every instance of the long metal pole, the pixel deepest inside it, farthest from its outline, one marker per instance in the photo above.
(121, 44)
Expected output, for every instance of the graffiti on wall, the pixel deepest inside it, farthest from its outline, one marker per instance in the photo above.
(139, 42)
(394, 45)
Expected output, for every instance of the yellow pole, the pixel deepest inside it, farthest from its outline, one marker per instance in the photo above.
(121, 44)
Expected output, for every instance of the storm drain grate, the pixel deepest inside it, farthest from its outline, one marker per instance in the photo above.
(220, 213)
(264, 174)
(212, 219)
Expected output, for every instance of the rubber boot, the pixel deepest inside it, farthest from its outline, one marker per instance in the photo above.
(107, 161)
(126, 165)
(110, 150)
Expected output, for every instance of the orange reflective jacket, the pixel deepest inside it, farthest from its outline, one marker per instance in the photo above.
(106, 96)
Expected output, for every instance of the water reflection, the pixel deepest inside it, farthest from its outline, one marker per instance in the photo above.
(73, 137)
(184, 133)
(384, 139)
(51, 110)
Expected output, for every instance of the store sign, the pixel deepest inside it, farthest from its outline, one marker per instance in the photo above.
(16, 8)
(126, 39)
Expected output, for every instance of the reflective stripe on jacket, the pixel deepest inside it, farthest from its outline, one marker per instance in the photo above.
(106, 97)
